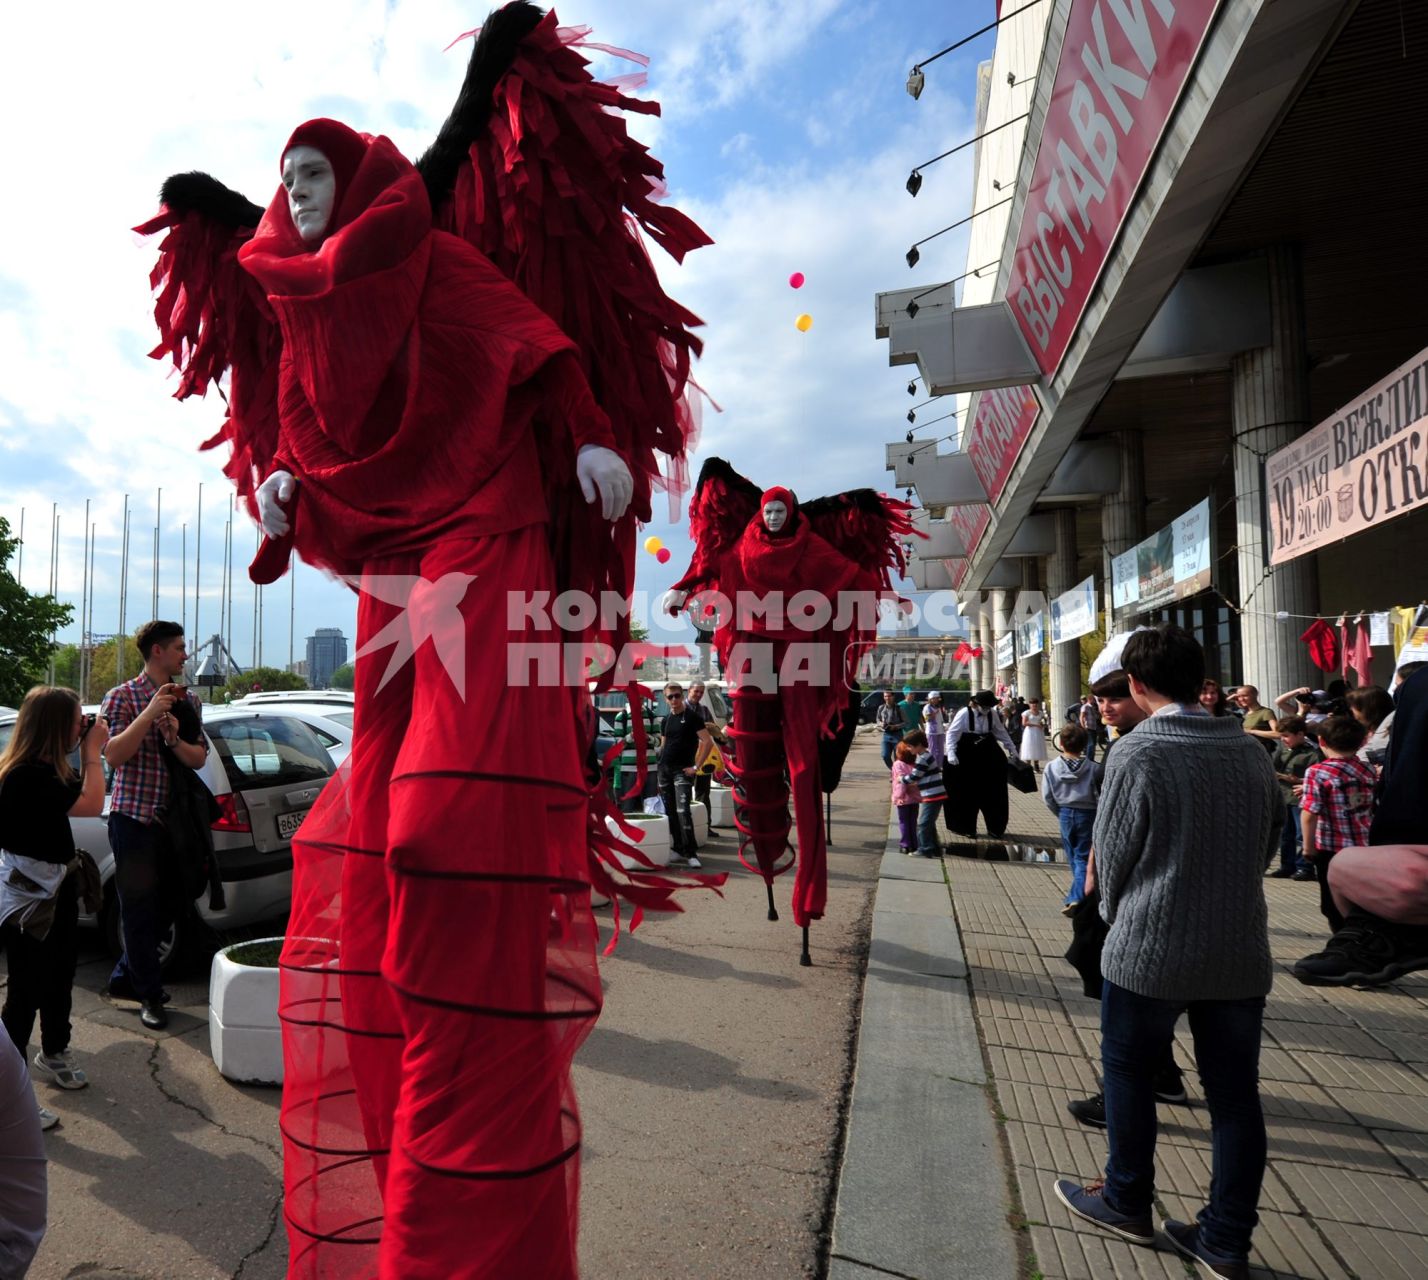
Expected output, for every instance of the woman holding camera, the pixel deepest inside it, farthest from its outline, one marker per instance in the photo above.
(39, 889)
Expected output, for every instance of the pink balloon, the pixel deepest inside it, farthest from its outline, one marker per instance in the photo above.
(662, 555)
(795, 281)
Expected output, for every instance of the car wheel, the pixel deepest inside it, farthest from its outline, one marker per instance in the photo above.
(171, 945)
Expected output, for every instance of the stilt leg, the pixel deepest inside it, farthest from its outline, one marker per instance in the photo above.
(805, 959)
(773, 911)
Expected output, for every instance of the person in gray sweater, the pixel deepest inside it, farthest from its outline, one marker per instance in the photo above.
(1189, 818)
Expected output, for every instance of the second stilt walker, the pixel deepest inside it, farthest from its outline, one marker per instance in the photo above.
(793, 592)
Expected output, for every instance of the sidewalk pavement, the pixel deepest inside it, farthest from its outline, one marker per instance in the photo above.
(1344, 1082)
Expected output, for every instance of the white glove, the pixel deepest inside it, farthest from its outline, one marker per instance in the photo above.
(673, 600)
(277, 489)
(602, 470)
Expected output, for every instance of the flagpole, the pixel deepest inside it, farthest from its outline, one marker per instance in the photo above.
(123, 596)
(20, 553)
(93, 531)
(84, 611)
(54, 551)
(158, 522)
(197, 565)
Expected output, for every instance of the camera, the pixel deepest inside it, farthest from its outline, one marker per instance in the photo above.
(88, 725)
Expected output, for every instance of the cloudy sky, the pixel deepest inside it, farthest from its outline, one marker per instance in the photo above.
(786, 133)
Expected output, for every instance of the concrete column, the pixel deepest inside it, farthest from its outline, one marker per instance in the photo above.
(986, 664)
(1123, 515)
(1060, 577)
(1001, 621)
(1270, 407)
(1028, 665)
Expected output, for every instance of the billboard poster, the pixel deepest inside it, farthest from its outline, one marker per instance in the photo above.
(1006, 651)
(1031, 636)
(1192, 551)
(1073, 613)
(1120, 73)
(1366, 464)
(1172, 564)
(1125, 580)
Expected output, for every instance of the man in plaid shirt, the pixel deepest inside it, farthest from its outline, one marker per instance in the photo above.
(142, 726)
(1337, 805)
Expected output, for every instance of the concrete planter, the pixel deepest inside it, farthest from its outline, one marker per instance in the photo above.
(721, 807)
(655, 845)
(243, 1029)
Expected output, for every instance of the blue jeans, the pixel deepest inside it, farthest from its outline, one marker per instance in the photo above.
(1136, 1034)
(890, 741)
(1291, 842)
(676, 788)
(1076, 827)
(927, 842)
(136, 877)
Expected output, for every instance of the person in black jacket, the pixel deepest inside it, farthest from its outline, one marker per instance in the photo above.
(39, 793)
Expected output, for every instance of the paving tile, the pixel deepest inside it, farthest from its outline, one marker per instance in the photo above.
(1410, 1046)
(1019, 984)
(997, 1004)
(1285, 1246)
(1385, 1110)
(972, 941)
(1301, 1102)
(1064, 1253)
(1071, 1077)
(1343, 1146)
(1034, 1104)
(1334, 1072)
(985, 961)
(1409, 1149)
(1072, 1153)
(1185, 1171)
(1277, 1064)
(1383, 1255)
(1041, 1037)
(1306, 1037)
(1368, 1199)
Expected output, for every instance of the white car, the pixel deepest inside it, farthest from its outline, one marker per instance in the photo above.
(266, 767)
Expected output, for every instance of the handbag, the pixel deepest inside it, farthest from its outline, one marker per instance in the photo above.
(1021, 776)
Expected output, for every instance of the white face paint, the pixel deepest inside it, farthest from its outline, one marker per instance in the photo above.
(775, 515)
(312, 191)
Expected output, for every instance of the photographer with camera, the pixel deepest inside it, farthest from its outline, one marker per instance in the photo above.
(41, 873)
(143, 716)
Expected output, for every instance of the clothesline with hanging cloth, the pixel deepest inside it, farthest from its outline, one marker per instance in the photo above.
(1350, 648)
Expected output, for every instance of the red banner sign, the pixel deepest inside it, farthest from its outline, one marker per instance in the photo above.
(1122, 68)
(1003, 422)
(971, 523)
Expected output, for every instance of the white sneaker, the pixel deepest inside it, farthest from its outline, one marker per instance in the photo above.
(693, 862)
(48, 1119)
(59, 1069)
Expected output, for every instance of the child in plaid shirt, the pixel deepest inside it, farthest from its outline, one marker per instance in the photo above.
(1337, 805)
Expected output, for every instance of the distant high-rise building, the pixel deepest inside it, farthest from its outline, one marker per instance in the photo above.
(326, 651)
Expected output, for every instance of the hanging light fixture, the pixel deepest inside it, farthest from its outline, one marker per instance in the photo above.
(912, 387)
(915, 81)
(914, 183)
(912, 310)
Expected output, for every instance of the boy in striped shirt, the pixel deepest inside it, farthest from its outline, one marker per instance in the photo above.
(927, 778)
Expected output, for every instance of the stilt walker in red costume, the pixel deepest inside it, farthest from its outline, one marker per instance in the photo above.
(795, 592)
(449, 384)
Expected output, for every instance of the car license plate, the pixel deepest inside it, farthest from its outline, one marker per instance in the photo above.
(288, 823)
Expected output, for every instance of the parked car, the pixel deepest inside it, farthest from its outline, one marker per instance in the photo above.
(266, 767)
(332, 723)
(317, 697)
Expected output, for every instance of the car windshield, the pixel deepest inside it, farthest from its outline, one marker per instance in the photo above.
(269, 751)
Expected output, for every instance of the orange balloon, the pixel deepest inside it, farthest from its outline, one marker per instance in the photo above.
(804, 323)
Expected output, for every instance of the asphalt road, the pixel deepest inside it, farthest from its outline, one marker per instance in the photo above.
(710, 1089)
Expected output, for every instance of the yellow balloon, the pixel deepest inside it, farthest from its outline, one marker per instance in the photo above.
(804, 323)
(653, 544)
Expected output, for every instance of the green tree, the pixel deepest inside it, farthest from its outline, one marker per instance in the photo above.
(259, 679)
(344, 677)
(27, 622)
